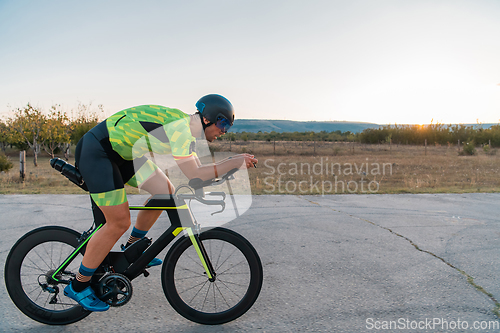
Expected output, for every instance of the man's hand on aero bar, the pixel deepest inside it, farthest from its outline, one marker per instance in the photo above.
(250, 160)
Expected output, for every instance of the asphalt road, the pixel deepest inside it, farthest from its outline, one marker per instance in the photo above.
(344, 263)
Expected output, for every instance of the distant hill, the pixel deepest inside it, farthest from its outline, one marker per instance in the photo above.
(280, 126)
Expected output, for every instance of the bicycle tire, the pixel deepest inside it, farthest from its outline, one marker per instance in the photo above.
(228, 251)
(33, 257)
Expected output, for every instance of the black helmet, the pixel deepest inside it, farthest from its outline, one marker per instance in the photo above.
(217, 109)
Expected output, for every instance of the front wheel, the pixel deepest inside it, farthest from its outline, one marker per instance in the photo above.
(28, 270)
(236, 285)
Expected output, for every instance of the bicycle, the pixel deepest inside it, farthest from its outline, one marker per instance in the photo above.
(209, 276)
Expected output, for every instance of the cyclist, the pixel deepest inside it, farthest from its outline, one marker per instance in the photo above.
(106, 157)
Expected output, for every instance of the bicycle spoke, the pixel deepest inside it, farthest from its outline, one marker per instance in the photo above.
(220, 254)
(32, 290)
(45, 304)
(191, 271)
(210, 250)
(41, 258)
(203, 285)
(226, 274)
(60, 302)
(235, 249)
(215, 299)
(232, 283)
(52, 254)
(231, 290)
(196, 261)
(31, 284)
(206, 296)
(48, 255)
(34, 263)
(232, 267)
(222, 295)
(31, 274)
(41, 291)
(192, 277)
(193, 287)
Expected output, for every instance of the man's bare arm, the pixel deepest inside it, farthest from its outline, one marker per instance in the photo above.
(193, 168)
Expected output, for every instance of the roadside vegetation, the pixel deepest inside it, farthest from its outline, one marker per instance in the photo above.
(391, 159)
(396, 134)
(33, 129)
(367, 168)
(291, 167)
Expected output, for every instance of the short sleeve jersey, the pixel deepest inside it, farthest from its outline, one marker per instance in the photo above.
(136, 131)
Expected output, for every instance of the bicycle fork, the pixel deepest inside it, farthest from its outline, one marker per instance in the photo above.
(202, 254)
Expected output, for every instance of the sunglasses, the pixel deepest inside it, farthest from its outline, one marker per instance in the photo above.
(223, 124)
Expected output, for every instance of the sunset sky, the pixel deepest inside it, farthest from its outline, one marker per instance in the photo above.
(385, 61)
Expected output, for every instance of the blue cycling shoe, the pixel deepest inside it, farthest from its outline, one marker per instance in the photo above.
(154, 262)
(86, 298)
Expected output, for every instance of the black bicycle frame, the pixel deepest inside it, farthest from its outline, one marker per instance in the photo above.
(176, 214)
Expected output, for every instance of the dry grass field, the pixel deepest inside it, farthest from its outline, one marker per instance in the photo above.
(334, 168)
(321, 168)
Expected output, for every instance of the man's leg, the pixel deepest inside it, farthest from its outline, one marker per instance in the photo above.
(157, 183)
(106, 186)
(117, 223)
(98, 247)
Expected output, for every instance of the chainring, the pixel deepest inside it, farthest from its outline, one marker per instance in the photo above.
(114, 289)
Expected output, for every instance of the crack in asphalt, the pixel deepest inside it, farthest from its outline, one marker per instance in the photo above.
(470, 279)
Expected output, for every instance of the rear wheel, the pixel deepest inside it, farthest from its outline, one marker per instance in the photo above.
(236, 285)
(28, 270)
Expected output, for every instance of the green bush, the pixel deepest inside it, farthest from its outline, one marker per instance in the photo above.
(5, 163)
(488, 150)
(469, 148)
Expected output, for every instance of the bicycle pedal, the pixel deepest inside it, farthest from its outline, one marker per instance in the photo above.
(146, 273)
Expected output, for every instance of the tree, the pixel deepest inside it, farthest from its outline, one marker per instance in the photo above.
(84, 121)
(5, 163)
(4, 135)
(28, 122)
(55, 130)
(10, 136)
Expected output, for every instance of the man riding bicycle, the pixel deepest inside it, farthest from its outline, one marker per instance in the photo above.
(108, 158)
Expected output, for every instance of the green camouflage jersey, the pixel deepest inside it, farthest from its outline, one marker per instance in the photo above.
(136, 131)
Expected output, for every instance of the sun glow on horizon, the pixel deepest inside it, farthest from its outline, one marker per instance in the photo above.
(417, 102)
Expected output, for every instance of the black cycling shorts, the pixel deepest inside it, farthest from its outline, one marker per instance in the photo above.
(104, 171)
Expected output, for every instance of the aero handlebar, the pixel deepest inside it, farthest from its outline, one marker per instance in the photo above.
(197, 183)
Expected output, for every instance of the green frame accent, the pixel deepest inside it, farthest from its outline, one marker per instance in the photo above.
(74, 254)
(198, 250)
(156, 208)
(178, 231)
(136, 268)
